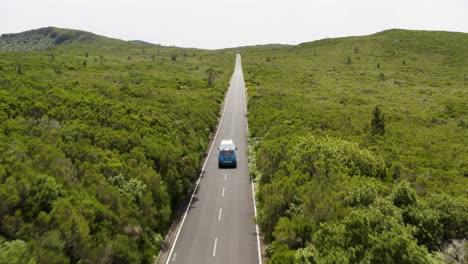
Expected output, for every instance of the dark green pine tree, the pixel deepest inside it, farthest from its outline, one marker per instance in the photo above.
(378, 122)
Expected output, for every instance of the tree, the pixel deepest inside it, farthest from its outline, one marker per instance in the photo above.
(348, 61)
(211, 75)
(15, 252)
(378, 122)
(382, 77)
(19, 70)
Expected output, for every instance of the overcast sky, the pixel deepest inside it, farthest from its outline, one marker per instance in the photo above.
(213, 24)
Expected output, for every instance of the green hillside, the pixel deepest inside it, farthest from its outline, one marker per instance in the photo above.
(46, 38)
(100, 140)
(360, 147)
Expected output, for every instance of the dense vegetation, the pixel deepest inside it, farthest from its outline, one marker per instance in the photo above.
(361, 147)
(100, 140)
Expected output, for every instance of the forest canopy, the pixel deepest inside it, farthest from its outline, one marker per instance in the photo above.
(359, 148)
(99, 144)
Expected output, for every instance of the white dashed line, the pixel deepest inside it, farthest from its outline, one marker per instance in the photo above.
(223, 193)
(225, 177)
(214, 247)
(219, 215)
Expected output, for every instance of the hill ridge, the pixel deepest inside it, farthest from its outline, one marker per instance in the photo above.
(45, 38)
(49, 37)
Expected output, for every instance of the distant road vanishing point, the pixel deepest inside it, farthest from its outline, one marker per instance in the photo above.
(218, 225)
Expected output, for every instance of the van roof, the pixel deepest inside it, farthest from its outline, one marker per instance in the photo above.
(227, 144)
(227, 141)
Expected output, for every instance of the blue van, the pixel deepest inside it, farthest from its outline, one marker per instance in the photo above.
(227, 154)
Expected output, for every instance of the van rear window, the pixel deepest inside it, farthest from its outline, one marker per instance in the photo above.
(226, 152)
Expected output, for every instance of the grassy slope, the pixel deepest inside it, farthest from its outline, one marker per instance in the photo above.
(330, 87)
(103, 138)
(424, 100)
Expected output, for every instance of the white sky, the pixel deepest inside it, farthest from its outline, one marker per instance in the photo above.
(213, 24)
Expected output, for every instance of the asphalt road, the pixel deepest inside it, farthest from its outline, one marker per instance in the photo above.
(218, 226)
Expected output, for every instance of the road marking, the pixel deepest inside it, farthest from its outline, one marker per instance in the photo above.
(199, 177)
(219, 215)
(214, 247)
(256, 225)
(225, 177)
(223, 193)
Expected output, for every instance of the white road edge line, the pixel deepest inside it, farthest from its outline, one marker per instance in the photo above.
(256, 225)
(219, 215)
(203, 169)
(214, 247)
(253, 186)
